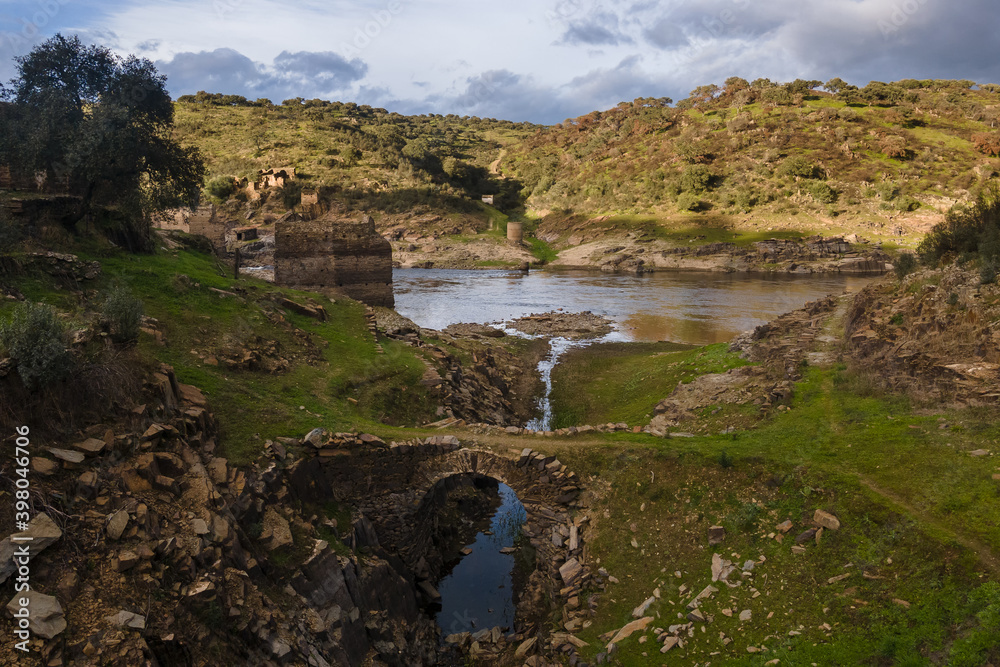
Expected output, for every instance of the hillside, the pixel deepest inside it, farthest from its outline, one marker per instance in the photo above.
(882, 161)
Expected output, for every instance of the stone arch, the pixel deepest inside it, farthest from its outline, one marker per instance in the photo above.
(388, 484)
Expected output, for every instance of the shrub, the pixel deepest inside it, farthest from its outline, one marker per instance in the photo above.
(121, 314)
(220, 188)
(905, 264)
(823, 193)
(966, 230)
(987, 143)
(10, 234)
(36, 340)
(688, 202)
(798, 166)
(695, 178)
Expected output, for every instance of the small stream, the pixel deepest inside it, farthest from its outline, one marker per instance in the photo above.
(478, 592)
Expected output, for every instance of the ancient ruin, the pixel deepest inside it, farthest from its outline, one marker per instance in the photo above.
(267, 178)
(331, 252)
(201, 220)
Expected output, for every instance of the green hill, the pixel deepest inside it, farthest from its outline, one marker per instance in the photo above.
(883, 160)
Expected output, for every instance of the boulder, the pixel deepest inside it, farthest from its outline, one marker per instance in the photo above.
(570, 571)
(46, 619)
(43, 533)
(278, 528)
(826, 520)
(117, 524)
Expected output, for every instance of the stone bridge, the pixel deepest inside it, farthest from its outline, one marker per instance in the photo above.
(391, 485)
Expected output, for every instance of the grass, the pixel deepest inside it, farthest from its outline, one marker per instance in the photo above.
(919, 515)
(623, 382)
(335, 377)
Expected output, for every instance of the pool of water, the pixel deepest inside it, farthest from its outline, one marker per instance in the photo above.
(684, 307)
(478, 592)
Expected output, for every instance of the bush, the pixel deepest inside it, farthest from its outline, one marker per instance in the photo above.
(36, 340)
(967, 231)
(688, 202)
(905, 264)
(798, 166)
(220, 188)
(696, 178)
(823, 193)
(121, 314)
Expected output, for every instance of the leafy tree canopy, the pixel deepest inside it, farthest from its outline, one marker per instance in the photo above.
(99, 124)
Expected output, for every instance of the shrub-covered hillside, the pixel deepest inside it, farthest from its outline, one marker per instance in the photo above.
(883, 149)
(356, 154)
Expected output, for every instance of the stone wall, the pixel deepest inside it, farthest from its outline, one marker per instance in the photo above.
(341, 254)
(201, 220)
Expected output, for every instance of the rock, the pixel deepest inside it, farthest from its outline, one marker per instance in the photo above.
(314, 438)
(127, 619)
(784, 526)
(199, 526)
(716, 534)
(979, 452)
(805, 536)
(570, 571)
(525, 646)
(44, 466)
(669, 644)
(833, 580)
(117, 524)
(67, 455)
(640, 611)
(127, 560)
(191, 394)
(630, 628)
(91, 446)
(749, 566)
(218, 470)
(826, 520)
(43, 532)
(45, 614)
(745, 615)
(696, 616)
(277, 526)
(428, 590)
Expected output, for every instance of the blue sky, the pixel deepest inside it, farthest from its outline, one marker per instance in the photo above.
(542, 61)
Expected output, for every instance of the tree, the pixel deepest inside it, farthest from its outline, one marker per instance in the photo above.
(100, 124)
(835, 85)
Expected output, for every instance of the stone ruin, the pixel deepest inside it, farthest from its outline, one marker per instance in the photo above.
(201, 220)
(268, 178)
(331, 252)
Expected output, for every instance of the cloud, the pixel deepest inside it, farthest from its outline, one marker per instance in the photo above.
(299, 74)
(666, 34)
(601, 29)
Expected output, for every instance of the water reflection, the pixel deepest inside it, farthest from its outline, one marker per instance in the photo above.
(479, 591)
(684, 307)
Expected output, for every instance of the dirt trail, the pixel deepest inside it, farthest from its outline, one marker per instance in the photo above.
(824, 355)
(989, 558)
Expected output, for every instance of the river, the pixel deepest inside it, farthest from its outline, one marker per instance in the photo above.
(698, 308)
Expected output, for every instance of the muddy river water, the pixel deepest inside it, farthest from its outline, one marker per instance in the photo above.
(683, 307)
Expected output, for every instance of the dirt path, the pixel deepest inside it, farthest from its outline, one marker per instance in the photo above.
(823, 356)
(989, 558)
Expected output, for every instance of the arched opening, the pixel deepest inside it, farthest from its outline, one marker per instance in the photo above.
(480, 557)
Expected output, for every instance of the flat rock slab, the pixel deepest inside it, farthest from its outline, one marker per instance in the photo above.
(630, 629)
(43, 533)
(45, 619)
(91, 446)
(70, 456)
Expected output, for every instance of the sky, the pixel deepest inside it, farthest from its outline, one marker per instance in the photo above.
(524, 60)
